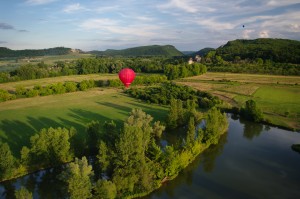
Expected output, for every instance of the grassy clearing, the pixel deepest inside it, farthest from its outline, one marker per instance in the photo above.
(20, 119)
(278, 96)
(11, 86)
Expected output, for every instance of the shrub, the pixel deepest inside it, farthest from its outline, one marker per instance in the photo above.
(5, 95)
(70, 87)
(252, 112)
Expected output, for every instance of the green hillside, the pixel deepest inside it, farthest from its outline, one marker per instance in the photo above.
(154, 50)
(277, 50)
(203, 52)
(6, 52)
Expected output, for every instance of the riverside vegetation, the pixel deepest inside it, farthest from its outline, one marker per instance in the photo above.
(130, 158)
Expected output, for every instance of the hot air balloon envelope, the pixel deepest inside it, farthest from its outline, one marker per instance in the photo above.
(127, 76)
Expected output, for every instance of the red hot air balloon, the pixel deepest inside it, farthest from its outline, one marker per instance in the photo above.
(127, 76)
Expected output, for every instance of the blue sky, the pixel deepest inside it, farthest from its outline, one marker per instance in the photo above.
(119, 24)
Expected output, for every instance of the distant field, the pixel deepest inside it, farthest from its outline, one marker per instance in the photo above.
(12, 63)
(19, 119)
(46, 81)
(278, 96)
(247, 78)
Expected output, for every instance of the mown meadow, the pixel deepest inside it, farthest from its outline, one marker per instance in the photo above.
(277, 96)
(22, 118)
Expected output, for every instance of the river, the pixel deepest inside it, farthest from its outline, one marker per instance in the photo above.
(251, 161)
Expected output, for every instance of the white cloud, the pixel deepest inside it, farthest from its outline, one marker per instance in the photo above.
(98, 23)
(73, 8)
(214, 24)
(185, 5)
(107, 8)
(280, 2)
(264, 34)
(295, 27)
(116, 27)
(144, 18)
(246, 34)
(39, 2)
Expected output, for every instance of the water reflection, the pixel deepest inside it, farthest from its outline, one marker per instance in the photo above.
(251, 129)
(188, 175)
(209, 155)
(43, 184)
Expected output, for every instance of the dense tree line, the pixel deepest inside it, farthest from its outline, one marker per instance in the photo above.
(172, 68)
(184, 70)
(49, 147)
(154, 50)
(257, 66)
(167, 91)
(52, 89)
(84, 66)
(277, 50)
(6, 52)
(263, 56)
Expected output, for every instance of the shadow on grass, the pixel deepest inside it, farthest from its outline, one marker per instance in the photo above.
(122, 109)
(17, 133)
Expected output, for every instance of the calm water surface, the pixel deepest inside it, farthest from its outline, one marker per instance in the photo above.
(250, 161)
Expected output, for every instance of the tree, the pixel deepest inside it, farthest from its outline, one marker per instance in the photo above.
(190, 137)
(51, 146)
(78, 176)
(215, 122)
(131, 167)
(23, 193)
(180, 113)
(70, 86)
(103, 156)
(7, 161)
(170, 161)
(158, 129)
(94, 134)
(105, 189)
(173, 115)
(111, 132)
(252, 112)
(83, 86)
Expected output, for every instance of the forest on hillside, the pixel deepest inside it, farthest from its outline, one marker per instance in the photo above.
(276, 50)
(6, 52)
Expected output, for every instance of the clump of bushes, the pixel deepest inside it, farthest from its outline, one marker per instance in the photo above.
(252, 112)
(53, 89)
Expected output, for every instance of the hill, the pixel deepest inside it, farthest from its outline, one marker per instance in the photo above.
(277, 50)
(6, 52)
(188, 52)
(154, 50)
(203, 52)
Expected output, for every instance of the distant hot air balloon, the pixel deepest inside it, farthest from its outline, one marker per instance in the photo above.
(127, 76)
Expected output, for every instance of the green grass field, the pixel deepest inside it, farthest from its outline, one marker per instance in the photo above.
(277, 96)
(21, 118)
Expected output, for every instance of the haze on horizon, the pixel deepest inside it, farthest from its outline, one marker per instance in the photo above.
(119, 24)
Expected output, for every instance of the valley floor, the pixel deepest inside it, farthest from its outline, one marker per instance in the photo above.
(277, 96)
